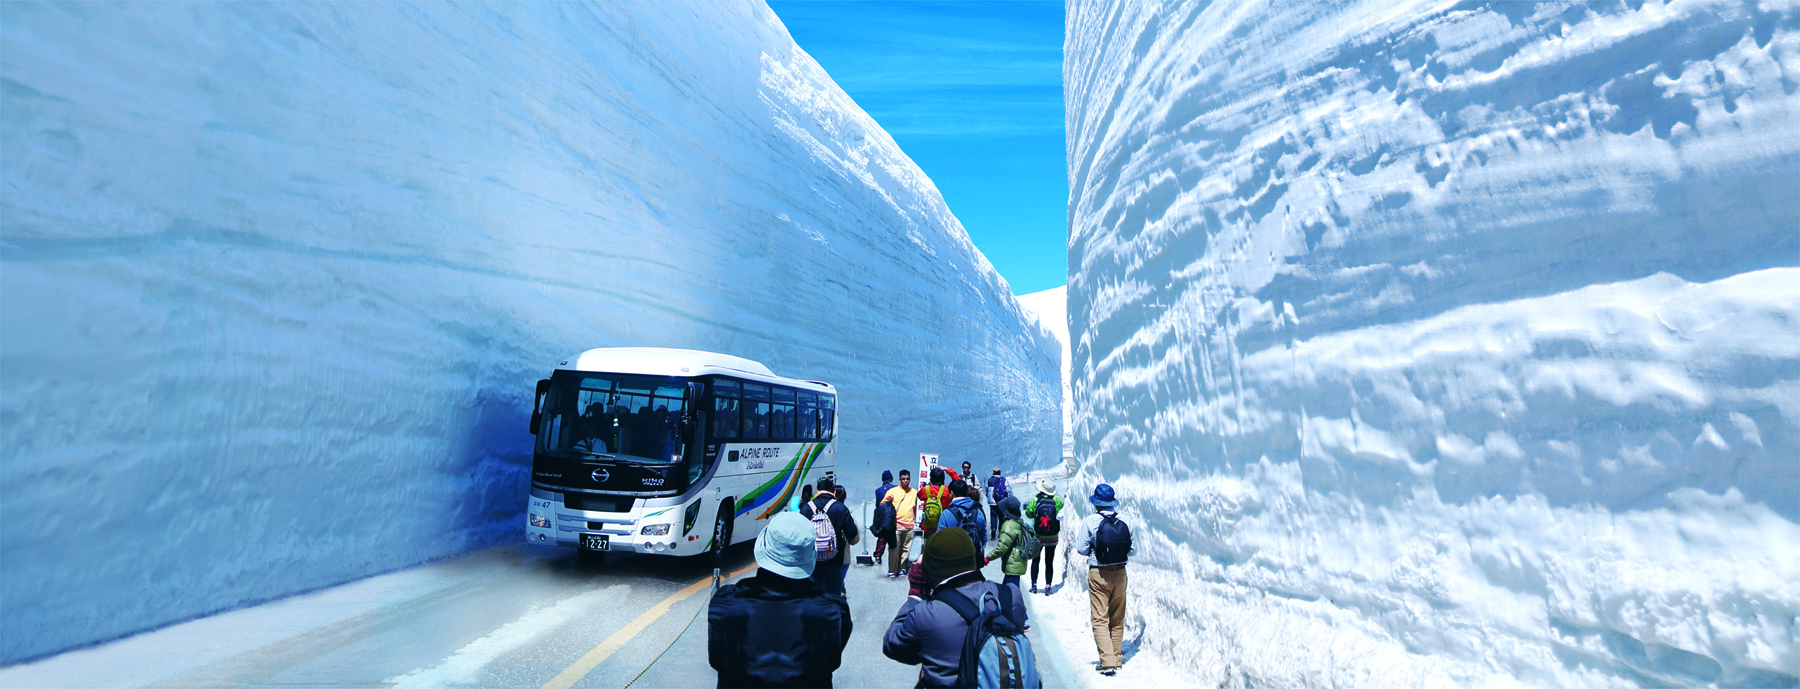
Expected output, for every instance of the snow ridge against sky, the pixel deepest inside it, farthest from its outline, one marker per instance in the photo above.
(1444, 344)
(279, 279)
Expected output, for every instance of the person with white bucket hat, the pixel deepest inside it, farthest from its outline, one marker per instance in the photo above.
(778, 628)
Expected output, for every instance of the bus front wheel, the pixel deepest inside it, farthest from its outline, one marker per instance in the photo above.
(721, 532)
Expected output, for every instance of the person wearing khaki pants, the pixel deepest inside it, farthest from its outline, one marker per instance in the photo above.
(1106, 606)
(1106, 540)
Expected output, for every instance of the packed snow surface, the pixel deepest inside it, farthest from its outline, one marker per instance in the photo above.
(1051, 307)
(279, 278)
(1444, 344)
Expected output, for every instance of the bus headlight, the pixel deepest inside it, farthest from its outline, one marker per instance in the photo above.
(540, 521)
(655, 530)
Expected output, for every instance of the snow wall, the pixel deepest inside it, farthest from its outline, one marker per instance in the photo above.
(279, 279)
(1051, 307)
(1437, 344)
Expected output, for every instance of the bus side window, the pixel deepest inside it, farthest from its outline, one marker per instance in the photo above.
(827, 417)
(781, 415)
(725, 418)
(725, 409)
(756, 411)
(807, 413)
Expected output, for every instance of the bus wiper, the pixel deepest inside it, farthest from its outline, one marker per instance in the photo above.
(634, 461)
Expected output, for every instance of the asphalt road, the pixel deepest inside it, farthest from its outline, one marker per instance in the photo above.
(510, 616)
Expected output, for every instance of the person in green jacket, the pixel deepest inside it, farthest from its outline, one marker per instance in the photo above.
(1012, 532)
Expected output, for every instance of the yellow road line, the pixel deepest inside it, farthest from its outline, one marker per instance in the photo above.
(592, 659)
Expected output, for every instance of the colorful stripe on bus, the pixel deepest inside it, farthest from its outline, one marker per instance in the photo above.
(778, 490)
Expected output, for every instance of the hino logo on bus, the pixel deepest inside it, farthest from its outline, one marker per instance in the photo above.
(599, 475)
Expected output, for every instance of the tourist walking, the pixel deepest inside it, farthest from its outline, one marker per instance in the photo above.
(882, 523)
(1010, 545)
(905, 503)
(996, 491)
(929, 630)
(1106, 540)
(964, 514)
(932, 501)
(778, 628)
(834, 532)
(1044, 514)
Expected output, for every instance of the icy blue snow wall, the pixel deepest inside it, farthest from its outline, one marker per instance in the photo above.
(279, 278)
(1444, 343)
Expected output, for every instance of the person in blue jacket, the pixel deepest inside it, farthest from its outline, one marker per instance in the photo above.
(927, 632)
(887, 484)
(964, 514)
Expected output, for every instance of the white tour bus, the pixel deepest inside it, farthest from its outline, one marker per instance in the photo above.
(671, 451)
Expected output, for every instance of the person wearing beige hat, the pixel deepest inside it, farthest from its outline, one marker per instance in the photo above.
(1043, 514)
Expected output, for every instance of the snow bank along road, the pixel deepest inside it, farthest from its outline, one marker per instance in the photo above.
(510, 616)
(278, 279)
(1440, 343)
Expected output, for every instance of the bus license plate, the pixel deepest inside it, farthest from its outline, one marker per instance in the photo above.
(595, 541)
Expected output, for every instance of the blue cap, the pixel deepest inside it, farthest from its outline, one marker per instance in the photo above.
(886, 476)
(1103, 496)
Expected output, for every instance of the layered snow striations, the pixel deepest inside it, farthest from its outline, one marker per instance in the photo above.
(278, 279)
(1051, 307)
(1444, 344)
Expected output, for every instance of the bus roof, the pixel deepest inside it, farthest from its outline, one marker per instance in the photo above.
(676, 362)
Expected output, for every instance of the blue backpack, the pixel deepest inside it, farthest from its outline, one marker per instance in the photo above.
(996, 654)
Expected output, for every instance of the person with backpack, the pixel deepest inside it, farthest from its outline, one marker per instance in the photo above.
(932, 501)
(1016, 543)
(1106, 540)
(996, 491)
(904, 502)
(963, 513)
(778, 628)
(1047, 526)
(834, 532)
(967, 631)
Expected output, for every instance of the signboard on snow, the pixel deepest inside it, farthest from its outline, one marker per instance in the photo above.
(926, 462)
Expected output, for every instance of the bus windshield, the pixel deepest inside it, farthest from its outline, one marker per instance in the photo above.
(614, 416)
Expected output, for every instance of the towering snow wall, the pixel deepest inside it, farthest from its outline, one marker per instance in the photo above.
(1444, 344)
(1051, 307)
(278, 279)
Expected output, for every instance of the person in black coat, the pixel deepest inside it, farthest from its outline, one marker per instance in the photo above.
(830, 573)
(778, 628)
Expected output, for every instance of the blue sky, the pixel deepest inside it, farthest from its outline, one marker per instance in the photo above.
(972, 91)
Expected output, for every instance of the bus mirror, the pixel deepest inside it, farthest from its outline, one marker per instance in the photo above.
(537, 405)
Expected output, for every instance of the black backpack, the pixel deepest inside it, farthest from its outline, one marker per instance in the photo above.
(757, 639)
(883, 523)
(1112, 541)
(965, 520)
(1045, 511)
